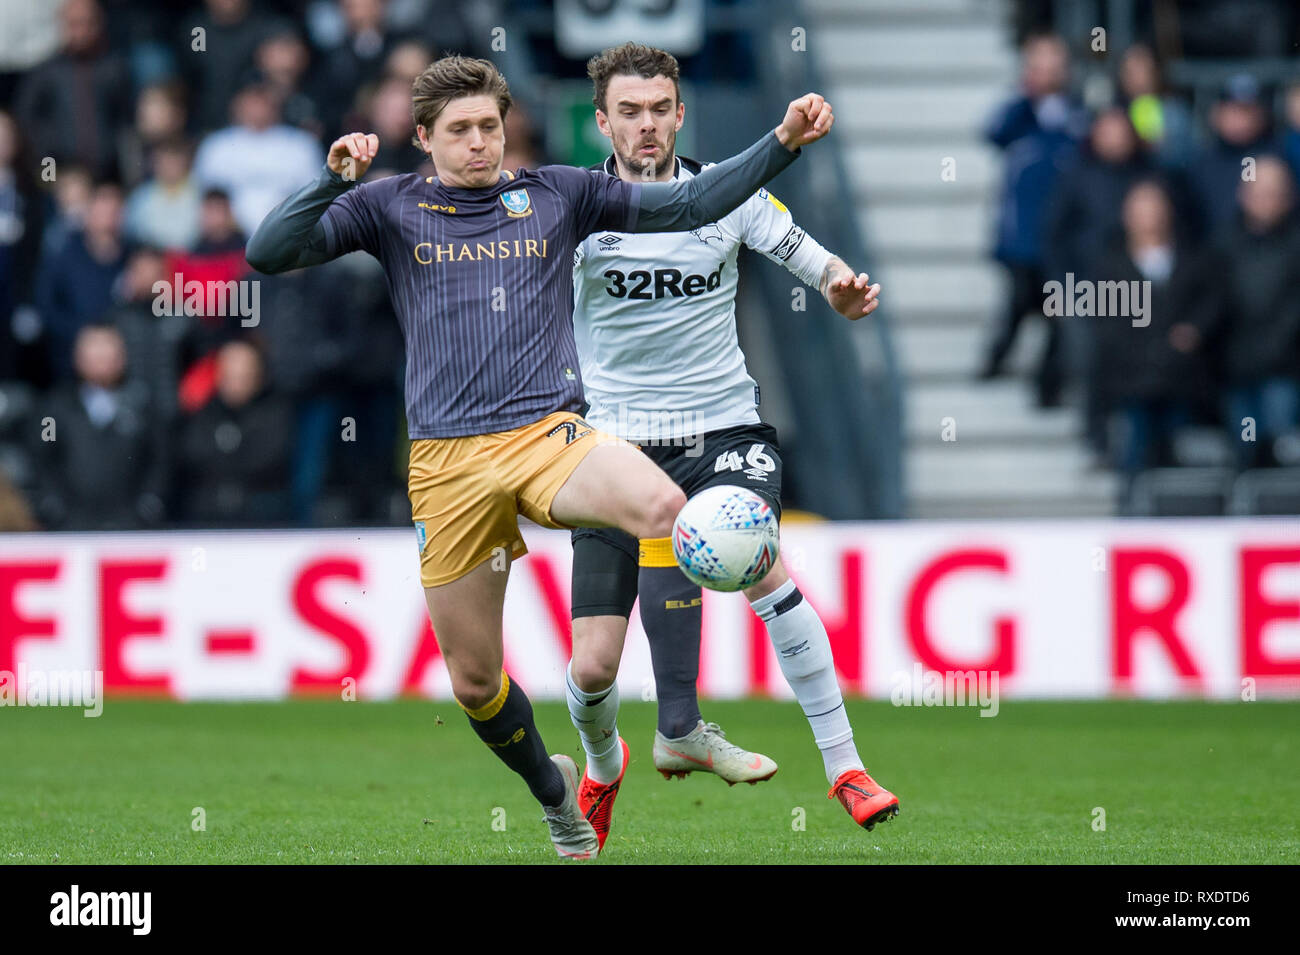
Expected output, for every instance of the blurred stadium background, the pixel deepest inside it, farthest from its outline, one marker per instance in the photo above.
(987, 488)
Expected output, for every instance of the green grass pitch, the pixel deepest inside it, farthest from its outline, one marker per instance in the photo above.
(343, 782)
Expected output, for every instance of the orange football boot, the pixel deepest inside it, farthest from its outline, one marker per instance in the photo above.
(596, 800)
(865, 799)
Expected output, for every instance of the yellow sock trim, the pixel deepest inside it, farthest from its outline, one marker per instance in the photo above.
(656, 552)
(493, 707)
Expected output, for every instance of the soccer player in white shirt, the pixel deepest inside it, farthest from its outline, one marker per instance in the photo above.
(654, 319)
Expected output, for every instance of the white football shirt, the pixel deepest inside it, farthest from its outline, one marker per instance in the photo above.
(654, 317)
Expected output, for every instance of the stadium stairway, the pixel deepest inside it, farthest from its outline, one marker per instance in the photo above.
(913, 81)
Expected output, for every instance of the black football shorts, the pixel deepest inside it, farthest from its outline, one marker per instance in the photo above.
(605, 558)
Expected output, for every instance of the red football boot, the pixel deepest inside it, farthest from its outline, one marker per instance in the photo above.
(596, 800)
(866, 800)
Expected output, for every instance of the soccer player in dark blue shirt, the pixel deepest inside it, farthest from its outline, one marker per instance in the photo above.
(479, 266)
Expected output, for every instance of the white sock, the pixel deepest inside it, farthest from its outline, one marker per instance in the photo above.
(595, 715)
(804, 652)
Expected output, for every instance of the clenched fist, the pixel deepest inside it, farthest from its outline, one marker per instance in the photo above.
(807, 120)
(351, 154)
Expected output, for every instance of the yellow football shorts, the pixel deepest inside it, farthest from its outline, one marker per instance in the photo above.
(466, 493)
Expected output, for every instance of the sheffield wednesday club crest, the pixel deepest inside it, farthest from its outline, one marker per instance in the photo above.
(517, 203)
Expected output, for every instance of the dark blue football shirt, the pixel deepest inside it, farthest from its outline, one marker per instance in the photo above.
(482, 283)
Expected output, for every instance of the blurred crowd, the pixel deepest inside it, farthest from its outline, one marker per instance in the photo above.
(141, 144)
(1138, 188)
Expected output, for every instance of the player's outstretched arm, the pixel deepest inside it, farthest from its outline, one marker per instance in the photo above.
(853, 296)
(679, 206)
(291, 236)
(769, 228)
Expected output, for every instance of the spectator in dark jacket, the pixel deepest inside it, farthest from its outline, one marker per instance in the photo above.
(67, 212)
(1083, 220)
(73, 105)
(100, 455)
(282, 61)
(152, 340)
(334, 347)
(1239, 122)
(235, 449)
(359, 57)
(1036, 130)
(1259, 271)
(1084, 213)
(74, 286)
(1155, 373)
(232, 31)
(21, 216)
(62, 215)
(308, 360)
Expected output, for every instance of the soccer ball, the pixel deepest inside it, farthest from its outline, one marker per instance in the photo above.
(726, 538)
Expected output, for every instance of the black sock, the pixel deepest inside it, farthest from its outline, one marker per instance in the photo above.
(506, 725)
(671, 615)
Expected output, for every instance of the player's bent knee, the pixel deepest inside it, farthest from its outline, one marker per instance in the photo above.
(475, 690)
(597, 650)
(594, 672)
(662, 510)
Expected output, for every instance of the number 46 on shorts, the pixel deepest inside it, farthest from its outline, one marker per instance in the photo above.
(760, 464)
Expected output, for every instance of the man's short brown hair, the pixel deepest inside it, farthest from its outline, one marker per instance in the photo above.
(451, 78)
(631, 59)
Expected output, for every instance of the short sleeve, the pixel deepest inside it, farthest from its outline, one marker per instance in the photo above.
(770, 229)
(350, 222)
(599, 201)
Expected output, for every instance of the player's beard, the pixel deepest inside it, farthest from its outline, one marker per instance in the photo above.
(636, 163)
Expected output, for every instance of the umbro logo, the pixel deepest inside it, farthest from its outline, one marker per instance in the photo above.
(789, 243)
(609, 240)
